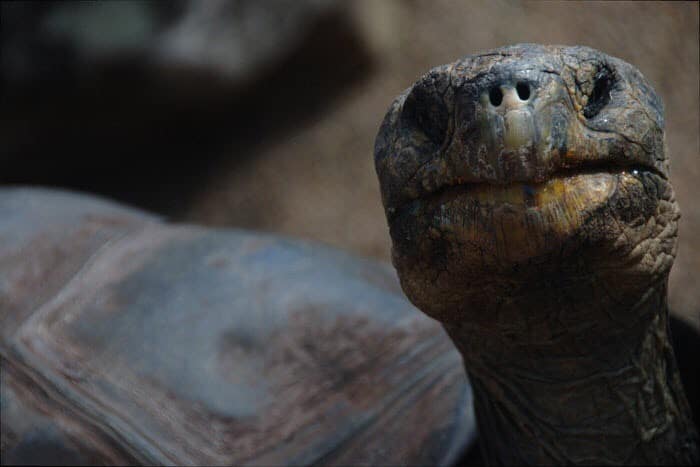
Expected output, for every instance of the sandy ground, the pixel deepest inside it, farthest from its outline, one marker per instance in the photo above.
(318, 181)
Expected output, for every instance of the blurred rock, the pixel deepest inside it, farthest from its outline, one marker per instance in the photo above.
(226, 35)
(134, 100)
(233, 38)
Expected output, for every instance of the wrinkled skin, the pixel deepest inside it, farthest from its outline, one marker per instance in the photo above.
(527, 195)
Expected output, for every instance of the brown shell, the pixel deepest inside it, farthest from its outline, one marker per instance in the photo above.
(124, 339)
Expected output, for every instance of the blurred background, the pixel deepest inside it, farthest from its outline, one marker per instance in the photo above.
(262, 114)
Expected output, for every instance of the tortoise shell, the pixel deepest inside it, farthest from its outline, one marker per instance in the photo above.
(125, 339)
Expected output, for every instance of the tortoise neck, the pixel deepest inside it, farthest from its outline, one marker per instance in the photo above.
(596, 397)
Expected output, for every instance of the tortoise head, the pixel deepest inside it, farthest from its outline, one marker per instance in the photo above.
(526, 168)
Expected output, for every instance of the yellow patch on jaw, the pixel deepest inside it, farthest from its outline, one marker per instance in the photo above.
(519, 220)
(582, 190)
(565, 201)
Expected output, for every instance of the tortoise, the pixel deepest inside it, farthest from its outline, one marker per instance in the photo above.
(515, 184)
(126, 340)
(530, 210)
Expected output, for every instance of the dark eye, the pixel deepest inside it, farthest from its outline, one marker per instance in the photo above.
(425, 111)
(600, 96)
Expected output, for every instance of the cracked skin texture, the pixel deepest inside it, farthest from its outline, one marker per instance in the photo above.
(530, 210)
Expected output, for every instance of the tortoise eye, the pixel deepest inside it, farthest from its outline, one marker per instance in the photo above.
(425, 112)
(600, 96)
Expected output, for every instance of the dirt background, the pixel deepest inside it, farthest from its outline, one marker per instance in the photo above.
(289, 148)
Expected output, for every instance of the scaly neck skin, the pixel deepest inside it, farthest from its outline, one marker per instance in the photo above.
(592, 393)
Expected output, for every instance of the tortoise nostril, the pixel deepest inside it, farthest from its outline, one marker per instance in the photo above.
(496, 96)
(523, 91)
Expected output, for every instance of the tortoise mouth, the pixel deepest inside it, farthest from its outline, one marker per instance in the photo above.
(536, 193)
(518, 221)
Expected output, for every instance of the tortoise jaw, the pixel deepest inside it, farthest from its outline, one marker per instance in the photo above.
(535, 192)
(515, 222)
(534, 195)
(523, 212)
